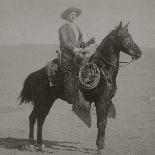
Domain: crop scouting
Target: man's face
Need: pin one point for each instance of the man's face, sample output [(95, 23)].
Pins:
[(71, 16)]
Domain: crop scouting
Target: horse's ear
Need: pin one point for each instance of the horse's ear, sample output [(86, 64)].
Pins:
[(120, 25), (126, 25)]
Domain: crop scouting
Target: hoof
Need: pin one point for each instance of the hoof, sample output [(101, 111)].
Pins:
[(29, 147), (102, 152), (42, 148)]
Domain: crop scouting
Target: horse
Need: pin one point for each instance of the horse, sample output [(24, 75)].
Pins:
[(37, 90)]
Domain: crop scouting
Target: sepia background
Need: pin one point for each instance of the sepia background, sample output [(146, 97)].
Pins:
[(28, 40), (37, 21)]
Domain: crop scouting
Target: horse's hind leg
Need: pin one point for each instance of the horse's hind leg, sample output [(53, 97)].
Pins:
[(32, 120), (43, 110)]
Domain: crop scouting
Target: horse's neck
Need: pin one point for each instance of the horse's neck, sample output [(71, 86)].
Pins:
[(110, 53)]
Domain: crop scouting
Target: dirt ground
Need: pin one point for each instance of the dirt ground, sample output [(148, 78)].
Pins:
[(131, 133)]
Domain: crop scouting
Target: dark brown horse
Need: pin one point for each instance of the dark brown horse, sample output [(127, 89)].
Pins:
[(37, 90)]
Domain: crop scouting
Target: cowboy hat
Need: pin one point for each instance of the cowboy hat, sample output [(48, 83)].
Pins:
[(71, 9)]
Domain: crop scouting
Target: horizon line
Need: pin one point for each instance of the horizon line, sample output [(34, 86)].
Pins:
[(53, 44)]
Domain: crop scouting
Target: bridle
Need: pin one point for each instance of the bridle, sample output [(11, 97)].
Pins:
[(127, 62), (116, 66)]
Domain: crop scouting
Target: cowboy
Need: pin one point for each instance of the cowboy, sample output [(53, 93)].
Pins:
[(71, 44)]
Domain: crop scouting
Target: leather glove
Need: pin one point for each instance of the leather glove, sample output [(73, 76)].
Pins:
[(91, 41)]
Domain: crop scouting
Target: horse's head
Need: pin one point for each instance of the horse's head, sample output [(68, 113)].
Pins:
[(127, 45)]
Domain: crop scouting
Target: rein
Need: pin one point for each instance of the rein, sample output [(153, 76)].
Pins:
[(127, 63)]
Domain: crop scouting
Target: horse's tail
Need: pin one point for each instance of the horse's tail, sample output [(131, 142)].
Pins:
[(30, 85)]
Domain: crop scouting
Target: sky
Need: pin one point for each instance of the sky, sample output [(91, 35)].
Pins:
[(38, 21)]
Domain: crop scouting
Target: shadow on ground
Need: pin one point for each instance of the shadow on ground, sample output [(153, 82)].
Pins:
[(14, 143)]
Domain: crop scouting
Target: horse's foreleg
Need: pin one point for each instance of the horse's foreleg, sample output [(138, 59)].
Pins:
[(111, 110), (101, 124)]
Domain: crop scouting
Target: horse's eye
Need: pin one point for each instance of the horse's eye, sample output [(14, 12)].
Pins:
[(124, 36)]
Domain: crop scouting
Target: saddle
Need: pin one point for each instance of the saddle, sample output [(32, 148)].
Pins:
[(89, 73), (53, 72)]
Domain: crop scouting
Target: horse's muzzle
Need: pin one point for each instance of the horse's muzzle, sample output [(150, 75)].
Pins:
[(136, 55)]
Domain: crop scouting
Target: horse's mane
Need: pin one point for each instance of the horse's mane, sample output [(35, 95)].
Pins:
[(110, 35)]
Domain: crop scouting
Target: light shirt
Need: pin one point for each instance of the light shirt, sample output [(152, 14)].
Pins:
[(75, 30)]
